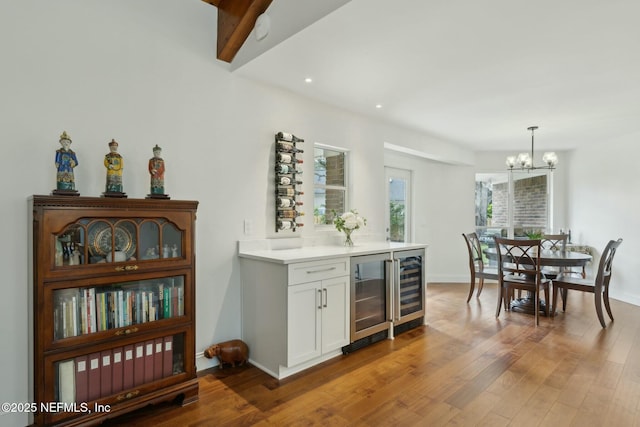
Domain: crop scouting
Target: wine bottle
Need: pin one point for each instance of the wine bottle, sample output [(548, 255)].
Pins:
[(290, 213), (284, 136), (285, 202), (285, 180), (288, 158), (288, 169), (287, 224), (288, 147), (285, 158), (290, 192)]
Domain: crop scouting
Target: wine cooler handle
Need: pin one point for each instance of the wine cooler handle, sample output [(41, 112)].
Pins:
[(389, 277), (320, 299), (396, 285)]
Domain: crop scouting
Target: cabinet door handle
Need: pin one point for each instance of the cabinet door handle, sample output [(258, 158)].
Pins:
[(127, 268), (320, 270), (126, 331), (320, 299), (325, 297), (128, 395)]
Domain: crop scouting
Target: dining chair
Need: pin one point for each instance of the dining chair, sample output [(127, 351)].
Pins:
[(476, 264), (554, 242), (558, 242), (599, 286), (519, 268)]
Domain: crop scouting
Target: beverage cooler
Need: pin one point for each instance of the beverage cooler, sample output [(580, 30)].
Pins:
[(387, 290), (370, 294), (409, 286)]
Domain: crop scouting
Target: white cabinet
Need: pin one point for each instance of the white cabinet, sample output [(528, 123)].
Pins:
[(317, 321), (294, 315)]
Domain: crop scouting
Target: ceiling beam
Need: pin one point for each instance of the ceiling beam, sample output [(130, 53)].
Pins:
[(236, 19)]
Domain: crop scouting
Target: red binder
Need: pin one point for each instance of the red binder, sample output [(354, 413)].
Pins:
[(82, 379), (116, 370), (157, 358), (167, 357), (127, 367), (148, 360), (138, 364), (105, 373), (94, 376)]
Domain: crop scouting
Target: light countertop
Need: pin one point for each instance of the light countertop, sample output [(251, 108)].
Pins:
[(313, 253)]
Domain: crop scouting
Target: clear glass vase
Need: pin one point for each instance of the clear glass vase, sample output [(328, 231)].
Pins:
[(347, 240)]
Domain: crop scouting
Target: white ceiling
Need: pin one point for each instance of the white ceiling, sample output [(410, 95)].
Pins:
[(475, 73)]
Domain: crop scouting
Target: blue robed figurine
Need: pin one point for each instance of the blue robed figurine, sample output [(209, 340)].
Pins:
[(66, 160)]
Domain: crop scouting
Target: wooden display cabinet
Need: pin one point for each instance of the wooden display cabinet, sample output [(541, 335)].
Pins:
[(113, 306)]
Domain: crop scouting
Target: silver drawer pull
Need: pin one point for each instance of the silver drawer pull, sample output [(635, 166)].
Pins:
[(320, 270)]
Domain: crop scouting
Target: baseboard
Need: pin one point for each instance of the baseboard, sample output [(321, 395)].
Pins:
[(203, 362)]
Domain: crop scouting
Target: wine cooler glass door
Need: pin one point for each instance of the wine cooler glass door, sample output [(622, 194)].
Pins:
[(370, 295), (409, 289)]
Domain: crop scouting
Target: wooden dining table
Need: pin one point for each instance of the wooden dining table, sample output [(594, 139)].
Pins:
[(548, 258)]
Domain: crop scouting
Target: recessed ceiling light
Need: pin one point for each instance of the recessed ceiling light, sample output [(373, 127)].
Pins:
[(378, 106), (308, 80)]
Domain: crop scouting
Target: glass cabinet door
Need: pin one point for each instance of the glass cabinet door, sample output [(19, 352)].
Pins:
[(86, 310), (410, 283), (117, 371), (107, 240)]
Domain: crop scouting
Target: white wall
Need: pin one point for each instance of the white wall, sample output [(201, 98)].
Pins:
[(144, 72), (603, 205)]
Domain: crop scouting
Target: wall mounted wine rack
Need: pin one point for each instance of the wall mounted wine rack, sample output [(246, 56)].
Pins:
[(288, 171)]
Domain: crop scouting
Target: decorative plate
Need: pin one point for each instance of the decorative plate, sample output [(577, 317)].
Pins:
[(100, 240)]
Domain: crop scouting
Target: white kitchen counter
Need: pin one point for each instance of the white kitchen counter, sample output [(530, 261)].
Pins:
[(312, 253)]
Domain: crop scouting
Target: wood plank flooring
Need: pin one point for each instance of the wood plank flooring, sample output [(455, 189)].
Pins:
[(464, 368)]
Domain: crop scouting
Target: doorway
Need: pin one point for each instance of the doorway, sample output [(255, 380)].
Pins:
[(398, 213)]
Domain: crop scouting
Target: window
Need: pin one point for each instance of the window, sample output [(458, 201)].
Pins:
[(329, 183), (512, 204)]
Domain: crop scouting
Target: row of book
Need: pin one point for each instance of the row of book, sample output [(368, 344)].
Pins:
[(87, 310), (101, 374)]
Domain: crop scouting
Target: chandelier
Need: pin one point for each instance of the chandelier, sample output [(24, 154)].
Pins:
[(524, 161)]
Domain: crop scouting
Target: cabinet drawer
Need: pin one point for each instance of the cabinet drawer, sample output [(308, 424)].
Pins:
[(318, 270)]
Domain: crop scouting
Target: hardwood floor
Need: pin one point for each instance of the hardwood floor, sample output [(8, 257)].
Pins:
[(465, 368)]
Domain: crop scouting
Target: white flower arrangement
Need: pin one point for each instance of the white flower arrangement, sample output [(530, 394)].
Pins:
[(347, 222)]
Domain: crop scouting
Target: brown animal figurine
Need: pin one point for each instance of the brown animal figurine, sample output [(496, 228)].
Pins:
[(229, 352)]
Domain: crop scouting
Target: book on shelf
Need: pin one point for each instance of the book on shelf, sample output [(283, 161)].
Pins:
[(106, 373), (94, 376), (138, 364), (157, 358), (82, 379), (66, 381), (167, 357), (117, 364), (148, 360), (127, 367)]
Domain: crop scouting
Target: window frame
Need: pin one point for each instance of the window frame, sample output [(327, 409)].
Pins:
[(510, 226), (344, 188)]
